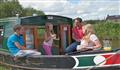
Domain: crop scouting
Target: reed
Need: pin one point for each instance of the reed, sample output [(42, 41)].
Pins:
[(107, 29)]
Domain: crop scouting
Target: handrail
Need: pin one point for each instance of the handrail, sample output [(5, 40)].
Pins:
[(91, 51)]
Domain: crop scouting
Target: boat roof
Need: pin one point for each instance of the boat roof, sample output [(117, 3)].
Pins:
[(48, 15), (39, 20)]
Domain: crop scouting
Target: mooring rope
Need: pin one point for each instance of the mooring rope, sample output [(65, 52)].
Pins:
[(103, 60)]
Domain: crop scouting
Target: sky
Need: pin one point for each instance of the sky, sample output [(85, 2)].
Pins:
[(86, 9)]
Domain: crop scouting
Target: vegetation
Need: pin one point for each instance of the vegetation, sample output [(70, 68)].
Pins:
[(107, 29), (9, 8), (5, 68)]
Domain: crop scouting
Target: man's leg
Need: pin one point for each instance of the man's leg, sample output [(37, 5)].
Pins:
[(71, 47), (34, 53), (23, 53)]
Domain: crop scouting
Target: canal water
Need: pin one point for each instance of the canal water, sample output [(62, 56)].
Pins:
[(114, 43)]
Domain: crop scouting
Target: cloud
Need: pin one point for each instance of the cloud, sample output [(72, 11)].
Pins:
[(45, 5), (87, 9)]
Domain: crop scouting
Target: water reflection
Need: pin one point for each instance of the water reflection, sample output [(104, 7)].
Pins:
[(115, 43)]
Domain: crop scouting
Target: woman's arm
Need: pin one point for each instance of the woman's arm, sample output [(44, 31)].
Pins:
[(46, 38), (97, 44), (83, 45)]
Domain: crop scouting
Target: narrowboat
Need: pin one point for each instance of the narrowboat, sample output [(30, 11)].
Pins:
[(86, 60)]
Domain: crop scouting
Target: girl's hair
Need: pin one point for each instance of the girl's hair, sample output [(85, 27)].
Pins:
[(47, 29), (87, 31)]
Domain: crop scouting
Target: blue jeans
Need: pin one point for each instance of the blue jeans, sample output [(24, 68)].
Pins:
[(72, 47)]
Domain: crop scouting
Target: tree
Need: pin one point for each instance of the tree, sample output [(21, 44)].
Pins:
[(9, 8), (30, 11)]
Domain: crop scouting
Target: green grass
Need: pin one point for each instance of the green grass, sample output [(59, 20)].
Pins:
[(8, 68), (5, 68), (106, 29)]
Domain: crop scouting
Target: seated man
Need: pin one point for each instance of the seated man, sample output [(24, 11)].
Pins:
[(77, 34), (15, 43)]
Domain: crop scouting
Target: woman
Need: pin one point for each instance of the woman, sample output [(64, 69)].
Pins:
[(89, 40), (48, 38)]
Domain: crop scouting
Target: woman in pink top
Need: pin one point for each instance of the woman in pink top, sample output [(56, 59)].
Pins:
[(48, 38)]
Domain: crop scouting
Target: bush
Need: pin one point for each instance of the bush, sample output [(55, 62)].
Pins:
[(107, 29)]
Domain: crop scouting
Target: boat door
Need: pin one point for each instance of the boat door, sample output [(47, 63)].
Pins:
[(31, 37), (63, 32), (65, 37)]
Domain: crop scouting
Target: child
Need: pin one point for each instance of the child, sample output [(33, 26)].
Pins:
[(48, 38)]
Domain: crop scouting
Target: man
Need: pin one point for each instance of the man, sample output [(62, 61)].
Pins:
[(77, 35), (15, 43)]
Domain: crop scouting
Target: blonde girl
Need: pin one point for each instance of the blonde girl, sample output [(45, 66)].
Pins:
[(89, 40), (48, 38)]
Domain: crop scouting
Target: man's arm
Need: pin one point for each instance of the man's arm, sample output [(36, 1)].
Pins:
[(73, 36), (19, 46)]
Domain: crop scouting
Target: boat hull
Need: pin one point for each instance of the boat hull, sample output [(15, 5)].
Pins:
[(79, 61)]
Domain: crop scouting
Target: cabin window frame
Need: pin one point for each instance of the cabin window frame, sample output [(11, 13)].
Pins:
[(3, 27)]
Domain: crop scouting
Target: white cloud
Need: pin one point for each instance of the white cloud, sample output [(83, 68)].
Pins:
[(46, 5), (87, 9)]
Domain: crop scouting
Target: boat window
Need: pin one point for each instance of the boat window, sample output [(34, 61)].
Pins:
[(56, 42), (29, 38), (41, 31)]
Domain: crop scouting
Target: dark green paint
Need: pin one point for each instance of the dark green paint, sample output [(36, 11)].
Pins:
[(86, 61)]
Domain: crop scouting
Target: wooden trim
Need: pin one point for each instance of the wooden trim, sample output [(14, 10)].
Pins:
[(36, 38), (61, 40), (35, 35), (24, 37), (69, 35)]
